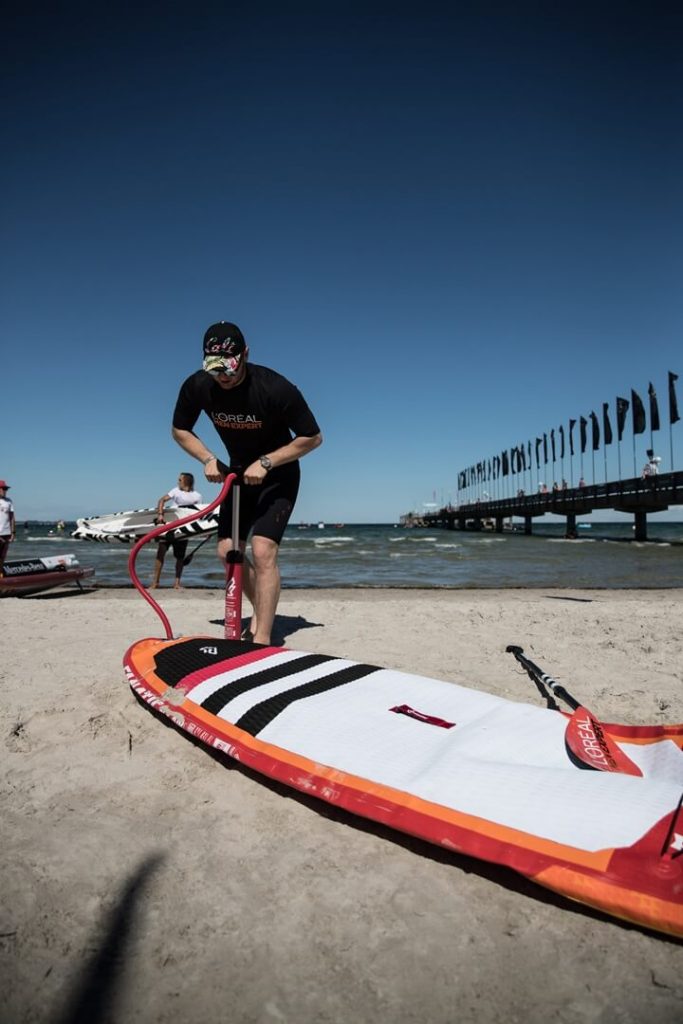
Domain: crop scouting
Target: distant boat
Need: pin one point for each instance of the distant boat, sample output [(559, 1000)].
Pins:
[(321, 526)]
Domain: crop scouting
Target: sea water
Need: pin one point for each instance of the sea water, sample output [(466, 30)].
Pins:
[(604, 555)]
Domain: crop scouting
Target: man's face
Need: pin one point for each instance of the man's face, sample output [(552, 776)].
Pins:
[(229, 381)]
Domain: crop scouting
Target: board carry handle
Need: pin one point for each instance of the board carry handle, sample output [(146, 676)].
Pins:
[(159, 531)]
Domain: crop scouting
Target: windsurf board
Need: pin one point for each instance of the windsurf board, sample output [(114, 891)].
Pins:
[(32, 575), (131, 525)]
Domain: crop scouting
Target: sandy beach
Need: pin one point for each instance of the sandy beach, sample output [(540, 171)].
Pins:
[(144, 880)]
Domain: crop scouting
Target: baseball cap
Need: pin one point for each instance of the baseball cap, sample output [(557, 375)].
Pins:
[(224, 347), (4, 486)]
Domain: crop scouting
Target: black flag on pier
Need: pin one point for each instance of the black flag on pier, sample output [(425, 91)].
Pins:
[(538, 445), (673, 405), (545, 449), (638, 410), (622, 409), (583, 423), (552, 442), (654, 408), (596, 432), (606, 425), (561, 442), (572, 424)]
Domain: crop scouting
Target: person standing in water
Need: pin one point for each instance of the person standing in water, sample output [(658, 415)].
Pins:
[(182, 496)]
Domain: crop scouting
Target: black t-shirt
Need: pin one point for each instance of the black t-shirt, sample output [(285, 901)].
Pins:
[(261, 414)]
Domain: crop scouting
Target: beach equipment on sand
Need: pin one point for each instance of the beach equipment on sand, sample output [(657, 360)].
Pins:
[(32, 575), (129, 526), (587, 809), (234, 564)]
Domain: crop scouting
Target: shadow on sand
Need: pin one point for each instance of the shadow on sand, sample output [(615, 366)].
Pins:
[(94, 991), (284, 626)]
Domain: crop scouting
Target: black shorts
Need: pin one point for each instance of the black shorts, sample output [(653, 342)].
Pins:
[(179, 546), (264, 508)]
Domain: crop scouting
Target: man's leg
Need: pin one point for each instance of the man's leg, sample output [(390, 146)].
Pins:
[(265, 513), (158, 565), (266, 587)]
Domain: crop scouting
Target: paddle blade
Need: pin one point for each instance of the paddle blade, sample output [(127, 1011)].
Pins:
[(590, 746)]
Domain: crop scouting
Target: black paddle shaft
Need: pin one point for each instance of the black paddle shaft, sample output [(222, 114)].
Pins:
[(541, 678)]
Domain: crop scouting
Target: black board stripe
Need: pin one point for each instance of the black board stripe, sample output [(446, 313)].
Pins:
[(261, 715), (217, 701), (179, 660)]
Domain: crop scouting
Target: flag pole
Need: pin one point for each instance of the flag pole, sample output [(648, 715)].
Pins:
[(671, 445), (673, 413), (604, 449)]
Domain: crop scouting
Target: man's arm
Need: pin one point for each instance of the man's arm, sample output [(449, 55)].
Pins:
[(195, 447), (160, 507), (296, 449)]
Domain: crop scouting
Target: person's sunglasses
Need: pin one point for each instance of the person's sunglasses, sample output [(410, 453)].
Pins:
[(231, 368)]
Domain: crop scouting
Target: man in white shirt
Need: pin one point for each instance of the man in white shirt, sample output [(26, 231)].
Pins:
[(651, 467), (7, 525), (182, 496)]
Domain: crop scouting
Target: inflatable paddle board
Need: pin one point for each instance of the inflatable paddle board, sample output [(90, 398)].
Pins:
[(589, 810), (130, 526), (31, 575)]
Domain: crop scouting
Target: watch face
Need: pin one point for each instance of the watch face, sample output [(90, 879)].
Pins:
[(265, 462)]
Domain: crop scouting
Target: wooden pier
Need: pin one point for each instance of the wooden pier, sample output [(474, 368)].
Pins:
[(637, 496)]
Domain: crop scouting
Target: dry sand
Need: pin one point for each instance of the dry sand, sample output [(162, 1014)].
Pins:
[(143, 880)]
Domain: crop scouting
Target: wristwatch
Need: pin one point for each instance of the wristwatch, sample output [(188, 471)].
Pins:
[(265, 462)]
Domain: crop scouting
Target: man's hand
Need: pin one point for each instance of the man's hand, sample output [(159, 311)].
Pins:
[(254, 474), (212, 472)]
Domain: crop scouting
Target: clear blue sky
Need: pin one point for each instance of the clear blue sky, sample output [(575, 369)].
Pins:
[(453, 226)]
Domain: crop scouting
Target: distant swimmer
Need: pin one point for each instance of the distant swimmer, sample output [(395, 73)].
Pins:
[(265, 424), (7, 522), (182, 496)]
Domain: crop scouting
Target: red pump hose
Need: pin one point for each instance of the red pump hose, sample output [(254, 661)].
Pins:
[(159, 531)]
